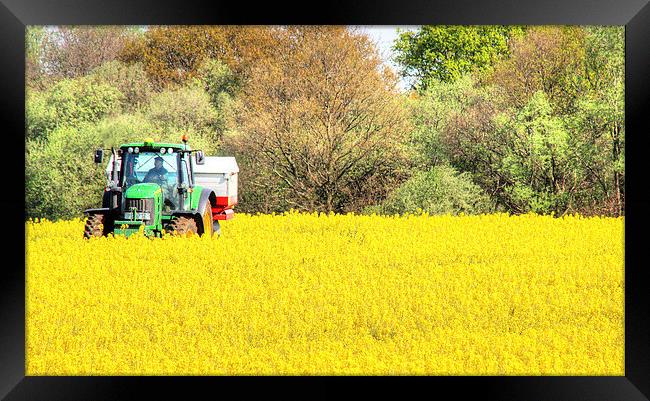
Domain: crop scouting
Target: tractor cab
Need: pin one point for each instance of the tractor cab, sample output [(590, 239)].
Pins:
[(151, 188), (166, 166)]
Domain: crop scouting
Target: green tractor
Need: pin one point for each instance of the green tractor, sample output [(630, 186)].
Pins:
[(155, 186)]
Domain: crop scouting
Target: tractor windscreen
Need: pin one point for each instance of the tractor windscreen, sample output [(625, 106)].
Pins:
[(153, 167)]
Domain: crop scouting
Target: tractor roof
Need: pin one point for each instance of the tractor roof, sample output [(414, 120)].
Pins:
[(154, 145)]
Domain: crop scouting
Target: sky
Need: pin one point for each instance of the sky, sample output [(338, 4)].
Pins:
[(384, 36)]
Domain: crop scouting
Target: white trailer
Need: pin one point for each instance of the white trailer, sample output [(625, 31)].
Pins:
[(219, 174)]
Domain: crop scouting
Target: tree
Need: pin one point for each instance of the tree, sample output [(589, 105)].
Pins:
[(548, 59), (323, 119), (520, 157), (33, 53), (74, 51), (545, 132), (447, 52), (70, 103), (219, 82), (455, 123), (600, 118), (581, 72), (432, 112), (130, 80), (174, 54), (61, 179), (186, 110), (536, 159)]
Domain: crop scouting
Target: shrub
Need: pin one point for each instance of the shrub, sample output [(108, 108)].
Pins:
[(186, 110), (130, 79), (61, 178), (441, 190), (70, 103), (40, 116)]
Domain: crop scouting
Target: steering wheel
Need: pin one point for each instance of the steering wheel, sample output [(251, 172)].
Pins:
[(159, 179)]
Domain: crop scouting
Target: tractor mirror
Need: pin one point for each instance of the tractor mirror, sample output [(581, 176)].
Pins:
[(200, 157), (99, 155)]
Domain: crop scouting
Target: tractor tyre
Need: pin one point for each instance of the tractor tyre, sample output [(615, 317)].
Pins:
[(207, 221), (95, 225), (183, 226)]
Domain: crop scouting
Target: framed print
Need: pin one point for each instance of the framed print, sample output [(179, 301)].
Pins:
[(410, 195)]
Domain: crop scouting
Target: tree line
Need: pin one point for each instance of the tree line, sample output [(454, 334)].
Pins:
[(498, 118)]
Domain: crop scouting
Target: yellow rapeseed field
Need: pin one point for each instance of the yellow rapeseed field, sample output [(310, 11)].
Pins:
[(331, 294)]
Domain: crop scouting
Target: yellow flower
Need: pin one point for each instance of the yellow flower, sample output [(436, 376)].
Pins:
[(317, 293)]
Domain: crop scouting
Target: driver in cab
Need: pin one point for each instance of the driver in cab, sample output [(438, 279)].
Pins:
[(158, 173)]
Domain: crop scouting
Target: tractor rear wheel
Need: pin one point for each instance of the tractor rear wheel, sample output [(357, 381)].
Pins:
[(182, 226), (95, 225)]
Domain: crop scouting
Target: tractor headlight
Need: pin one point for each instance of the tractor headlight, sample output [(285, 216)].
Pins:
[(130, 149), (170, 151), (162, 151), (137, 150)]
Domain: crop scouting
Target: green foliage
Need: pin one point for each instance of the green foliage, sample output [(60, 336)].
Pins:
[(79, 101), (440, 190), (434, 110), (545, 133), (70, 103), (186, 110), (534, 117), (40, 115), (130, 79), (537, 160), (599, 122), (446, 52), (124, 128), (61, 179), (219, 82), (605, 59), (185, 107), (222, 86)]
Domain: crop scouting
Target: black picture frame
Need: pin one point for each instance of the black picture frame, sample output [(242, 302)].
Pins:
[(634, 14)]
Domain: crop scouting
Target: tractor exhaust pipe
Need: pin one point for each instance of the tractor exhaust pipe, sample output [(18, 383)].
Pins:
[(114, 187), (114, 172)]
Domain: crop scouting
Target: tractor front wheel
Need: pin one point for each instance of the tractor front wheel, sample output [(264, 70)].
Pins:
[(95, 225), (182, 226), (207, 221)]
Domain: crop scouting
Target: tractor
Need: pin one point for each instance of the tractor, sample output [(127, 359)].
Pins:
[(154, 187)]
